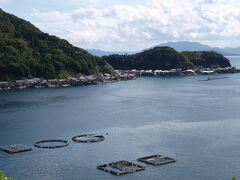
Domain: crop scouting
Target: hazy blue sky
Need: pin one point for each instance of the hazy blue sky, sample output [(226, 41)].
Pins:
[(133, 24)]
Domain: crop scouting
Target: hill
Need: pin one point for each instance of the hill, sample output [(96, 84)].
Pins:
[(207, 59), (167, 58), (233, 51), (27, 52), (156, 58)]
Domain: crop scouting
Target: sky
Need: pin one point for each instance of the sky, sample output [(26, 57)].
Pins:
[(132, 25)]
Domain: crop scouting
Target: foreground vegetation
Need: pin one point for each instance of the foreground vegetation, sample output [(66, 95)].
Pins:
[(2, 176), (26, 52), (166, 58)]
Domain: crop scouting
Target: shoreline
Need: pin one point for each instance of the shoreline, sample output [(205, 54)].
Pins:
[(180, 72), (67, 82), (119, 75)]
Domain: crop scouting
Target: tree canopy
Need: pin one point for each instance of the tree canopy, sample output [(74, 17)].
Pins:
[(207, 59)]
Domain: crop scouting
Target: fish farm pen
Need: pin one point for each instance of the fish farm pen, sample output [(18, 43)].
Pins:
[(116, 168), (156, 160), (120, 167), (51, 144), (15, 148), (88, 138)]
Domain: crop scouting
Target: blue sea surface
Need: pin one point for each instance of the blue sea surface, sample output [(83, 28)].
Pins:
[(195, 122)]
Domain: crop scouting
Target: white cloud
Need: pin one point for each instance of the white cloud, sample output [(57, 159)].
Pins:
[(4, 1), (51, 16), (91, 1), (128, 27)]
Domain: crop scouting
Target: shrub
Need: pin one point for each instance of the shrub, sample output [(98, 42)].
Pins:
[(2, 176)]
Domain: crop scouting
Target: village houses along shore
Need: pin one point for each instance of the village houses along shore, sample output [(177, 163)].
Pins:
[(118, 75)]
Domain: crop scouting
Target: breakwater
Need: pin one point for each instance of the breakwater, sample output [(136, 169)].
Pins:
[(78, 81)]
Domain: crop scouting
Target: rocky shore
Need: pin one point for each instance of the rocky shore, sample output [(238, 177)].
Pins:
[(180, 72), (78, 81)]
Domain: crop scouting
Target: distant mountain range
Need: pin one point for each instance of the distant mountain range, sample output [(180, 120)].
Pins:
[(196, 46), (179, 46), (98, 52)]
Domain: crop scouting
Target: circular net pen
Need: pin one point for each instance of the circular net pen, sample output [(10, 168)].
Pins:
[(51, 144), (88, 138)]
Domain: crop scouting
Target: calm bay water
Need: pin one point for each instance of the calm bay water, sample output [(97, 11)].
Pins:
[(193, 121)]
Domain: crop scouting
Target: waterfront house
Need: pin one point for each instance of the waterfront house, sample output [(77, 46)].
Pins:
[(189, 72), (100, 77), (52, 82), (3, 85), (205, 72)]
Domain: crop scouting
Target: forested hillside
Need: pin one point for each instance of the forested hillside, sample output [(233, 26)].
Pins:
[(27, 52), (206, 58), (167, 58)]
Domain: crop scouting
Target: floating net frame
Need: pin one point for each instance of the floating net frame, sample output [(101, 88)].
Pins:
[(16, 148), (88, 138), (156, 160), (121, 167), (64, 143)]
